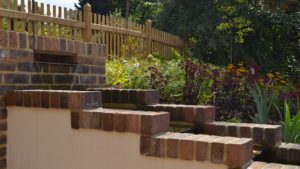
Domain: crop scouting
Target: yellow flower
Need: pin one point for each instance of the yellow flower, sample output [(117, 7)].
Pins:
[(283, 81), (270, 75)]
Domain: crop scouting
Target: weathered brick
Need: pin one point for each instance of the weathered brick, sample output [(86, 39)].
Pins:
[(55, 44), (188, 114), (19, 98), (204, 114), (64, 101), (159, 145), (59, 69), (3, 163), (155, 123), (75, 120), (273, 135), (221, 129), (13, 40), (2, 151), (77, 47), (16, 78), (54, 100), (3, 113), (7, 66), (21, 54), (36, 99), (108, 121), (23, 40), (27, 67), (27, 99), (40, 43), (133, 123), (70, 46), (91, 100), (48, 43), (64, 79), (120, 122), (294, 154), (258, 134), (80, 69), (63, 45), (148, 97), (281, 153), (3, 125), (232, 129), (3, 138), (245, 131), (32, 42), (45, 96), (3, 38), (39, 79), (239, 153), (88, 80), (10, 98), (96, 122), (83, 49), (145, 145), (89, 49)]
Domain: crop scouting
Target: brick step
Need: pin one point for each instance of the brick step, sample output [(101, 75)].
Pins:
[(263, 165), (61, 99), (197, 115), (262, 135), (288, 154), (129, 96), (140, 122), (231, 151)]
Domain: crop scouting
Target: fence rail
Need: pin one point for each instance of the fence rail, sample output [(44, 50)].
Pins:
[(53, 21)]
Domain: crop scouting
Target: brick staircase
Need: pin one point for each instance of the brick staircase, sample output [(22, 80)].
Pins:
[(139, 112)]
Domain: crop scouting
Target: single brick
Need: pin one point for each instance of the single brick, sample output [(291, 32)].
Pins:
[(75, 120), (85, 119), (19, 98), (91, 100), (204, 114), (63, 45), (83, 49), (155, 123), (3, 125), (48, 43), (45, 96), (16, 78), (3, 163), (64, 101), (221, 128), (64, 79), (3, 138), (75, 101), (40, 79), (13, 40), (36, 99), (145, 145), (76, 47), (210, 128), (27, 67), (273, 136), (239, 152), (28, 99), (7, 66), (54, 100), (148, 97), (108, 121), (120, 122), (133, 123), (294, 154), (10, 98), (40, 43), (23, 40), (21, 54), (233, 129), (2, 151), (89, 49), (3, 38), (246, 131), (32, 42), (70, 46), (281, 153), (188, 114), (123, 96), (88, 80), (258, 134), (96, 122), (3, 113), (55, 44)]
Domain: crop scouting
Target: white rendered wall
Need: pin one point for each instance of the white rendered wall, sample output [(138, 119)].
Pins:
[(43, 139)]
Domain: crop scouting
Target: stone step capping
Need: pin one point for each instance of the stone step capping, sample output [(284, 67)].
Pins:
[(60, 99), (263, 165), (233, 152), (129, 96), (195, 114), (262, 135), (288, 153), (140, 122)]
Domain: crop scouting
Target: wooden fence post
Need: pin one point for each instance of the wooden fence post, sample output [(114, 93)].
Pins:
[(87, 16), (149, 36)]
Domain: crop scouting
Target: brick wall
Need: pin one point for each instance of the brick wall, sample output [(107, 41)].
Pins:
[(36, 62)]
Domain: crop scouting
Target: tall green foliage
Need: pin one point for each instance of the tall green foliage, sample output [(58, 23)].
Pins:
[(264, 99), (291, 125)]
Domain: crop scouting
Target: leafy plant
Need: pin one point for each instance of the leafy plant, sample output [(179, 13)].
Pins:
[(264, 99), (291, 126)]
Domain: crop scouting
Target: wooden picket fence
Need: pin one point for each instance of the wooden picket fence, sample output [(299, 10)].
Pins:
[(49, 20)]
